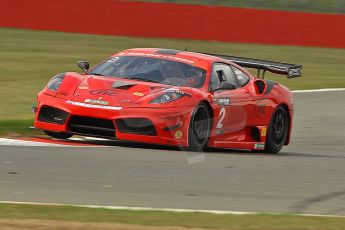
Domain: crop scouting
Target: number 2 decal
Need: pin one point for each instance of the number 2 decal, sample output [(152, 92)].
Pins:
[(222, 116)]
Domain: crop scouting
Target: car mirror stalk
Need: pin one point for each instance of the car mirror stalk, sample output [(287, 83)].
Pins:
[(84, 65)]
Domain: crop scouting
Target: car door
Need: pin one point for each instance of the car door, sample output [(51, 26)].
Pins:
[(232, 106)]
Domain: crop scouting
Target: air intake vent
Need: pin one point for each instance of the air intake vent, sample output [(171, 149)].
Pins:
[(139, 126), (255, 133), (52, 115), (92, 126)]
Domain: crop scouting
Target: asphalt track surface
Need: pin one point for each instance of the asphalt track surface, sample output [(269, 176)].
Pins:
[(306, 177)]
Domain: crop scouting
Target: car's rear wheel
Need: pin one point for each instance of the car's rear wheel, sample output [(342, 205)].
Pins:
[(277, 132), (58, 135), (199, 128)]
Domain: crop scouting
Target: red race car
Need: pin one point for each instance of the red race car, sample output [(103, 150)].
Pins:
[(172, 97)]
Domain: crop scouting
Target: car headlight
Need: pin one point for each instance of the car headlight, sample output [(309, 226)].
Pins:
[(55, 82), (168, 97)]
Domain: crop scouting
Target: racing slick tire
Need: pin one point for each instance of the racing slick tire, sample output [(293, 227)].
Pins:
[(199, 128), (277, 132), (58, 135)]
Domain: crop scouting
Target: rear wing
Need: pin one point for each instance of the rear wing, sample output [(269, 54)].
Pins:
[(290, 70)]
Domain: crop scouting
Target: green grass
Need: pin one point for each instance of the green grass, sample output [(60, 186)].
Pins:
[(21, 127), (28, 59), (323, 6), (159, 218)]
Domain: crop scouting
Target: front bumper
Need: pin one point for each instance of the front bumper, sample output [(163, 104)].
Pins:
[(171, 124)]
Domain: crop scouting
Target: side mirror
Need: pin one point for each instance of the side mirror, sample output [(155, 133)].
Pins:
[(260, 86), (84, 65), (226, 86)]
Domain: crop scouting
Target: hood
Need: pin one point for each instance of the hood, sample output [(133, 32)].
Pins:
[(115, 92), (111, 91)]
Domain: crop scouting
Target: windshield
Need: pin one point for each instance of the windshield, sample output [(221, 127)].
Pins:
[(152, 70)]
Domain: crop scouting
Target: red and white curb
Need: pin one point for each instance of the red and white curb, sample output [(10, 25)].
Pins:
[(14, 142), (218, 212), (318, 90), (45, 142)]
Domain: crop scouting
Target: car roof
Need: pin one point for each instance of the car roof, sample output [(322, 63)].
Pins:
[(194, 58)]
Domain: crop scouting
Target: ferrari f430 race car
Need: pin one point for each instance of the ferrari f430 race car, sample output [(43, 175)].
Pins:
[(172, 97)]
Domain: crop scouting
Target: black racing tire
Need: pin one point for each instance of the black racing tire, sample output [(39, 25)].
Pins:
[(277, 131), (199, 128), (58, 135)]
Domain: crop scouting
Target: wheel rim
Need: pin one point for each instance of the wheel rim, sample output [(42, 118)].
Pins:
[(279, 127), (200, 127)]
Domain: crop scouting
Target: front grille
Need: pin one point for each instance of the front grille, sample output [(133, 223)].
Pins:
[(52, 115), (140, 126), (92, 126)]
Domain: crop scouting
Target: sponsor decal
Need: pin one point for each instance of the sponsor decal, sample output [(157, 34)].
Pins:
[(261, 109), (259, 146), (263, 132), (219, 132), (63, 94), (96, 102), (83, 87), (103, 92), (130, 102), (223, 101), (178, 134), (139, 94), (93, 106)]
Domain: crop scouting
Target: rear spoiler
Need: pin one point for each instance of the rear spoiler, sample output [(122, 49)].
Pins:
[(290, 70)]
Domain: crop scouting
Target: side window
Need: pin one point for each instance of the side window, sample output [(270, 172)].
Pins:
[(242, 78), (222, 73)]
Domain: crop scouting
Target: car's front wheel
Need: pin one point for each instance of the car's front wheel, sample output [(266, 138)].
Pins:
[(277, 132), (58, 135), (199, 128)]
